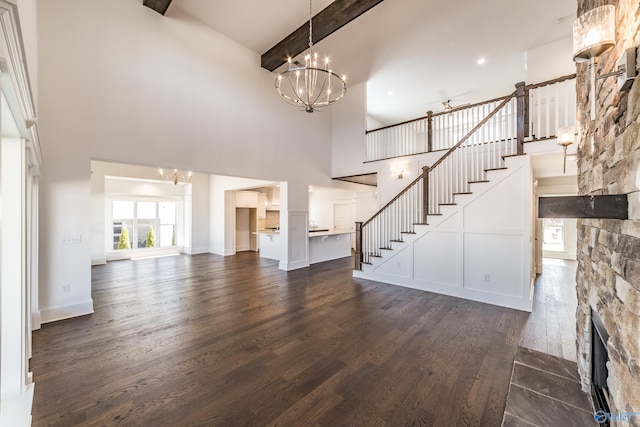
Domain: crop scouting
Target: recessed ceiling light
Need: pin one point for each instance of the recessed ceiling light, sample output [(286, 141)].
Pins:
[(482, 61), (390, 93)]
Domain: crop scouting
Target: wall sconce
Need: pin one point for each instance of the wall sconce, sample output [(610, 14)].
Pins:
[(174, 177), (397, 171), (566, 137), (594, 33)]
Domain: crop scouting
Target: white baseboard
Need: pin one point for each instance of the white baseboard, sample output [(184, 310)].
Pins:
[(17, 410), (196, 251), (36, 320), (293, 265), (68, 311), (222, 252), (99, 261)]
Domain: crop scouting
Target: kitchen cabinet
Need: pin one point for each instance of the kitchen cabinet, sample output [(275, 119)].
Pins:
[(246, 199), (262, 206)]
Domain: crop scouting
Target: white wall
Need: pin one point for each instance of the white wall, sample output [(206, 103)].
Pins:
[(29, 30), (321, 203), (200, 193), (478, 249), (550, 60), (348, 139), (120, 83)]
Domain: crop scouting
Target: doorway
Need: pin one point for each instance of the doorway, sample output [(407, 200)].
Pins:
[(344, 218), (246, 227)]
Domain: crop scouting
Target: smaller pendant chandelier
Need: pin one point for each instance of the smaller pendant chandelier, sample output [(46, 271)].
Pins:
[(175, 177), (310, 87)]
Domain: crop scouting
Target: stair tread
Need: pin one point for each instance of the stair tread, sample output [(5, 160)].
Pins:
[(408, 232), (447, 204), (482, 180), (512, 155), (496, 169), (397, 241), (464, 192), (420, 223)]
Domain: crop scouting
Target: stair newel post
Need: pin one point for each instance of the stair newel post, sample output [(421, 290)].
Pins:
[(358, 258), (425, 193), (521, 111), (429, 131)]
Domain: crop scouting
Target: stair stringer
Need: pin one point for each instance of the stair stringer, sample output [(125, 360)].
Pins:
[(478, 249)]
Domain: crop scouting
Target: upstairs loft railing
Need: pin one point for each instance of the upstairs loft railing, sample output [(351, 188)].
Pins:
[(547, 106)]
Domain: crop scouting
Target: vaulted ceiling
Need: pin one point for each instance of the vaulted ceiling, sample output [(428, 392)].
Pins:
[(412, 54)]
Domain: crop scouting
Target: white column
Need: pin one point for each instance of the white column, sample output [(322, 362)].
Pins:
[(13, 368), (34, 240)]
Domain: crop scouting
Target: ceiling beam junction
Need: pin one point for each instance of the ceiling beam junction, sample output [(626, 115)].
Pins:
[(326, 22), (159, 6)]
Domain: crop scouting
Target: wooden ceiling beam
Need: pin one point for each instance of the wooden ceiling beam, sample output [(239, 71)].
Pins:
[(159, 6), (326, 22), (614, 206)]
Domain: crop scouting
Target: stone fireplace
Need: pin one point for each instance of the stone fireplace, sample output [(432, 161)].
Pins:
[(599, 370), (608, 276)]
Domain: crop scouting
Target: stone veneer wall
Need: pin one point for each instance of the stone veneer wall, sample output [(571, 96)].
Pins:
[(608, 277)]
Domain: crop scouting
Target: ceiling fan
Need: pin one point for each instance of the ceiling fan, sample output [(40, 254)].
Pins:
[(448, 107), (446, 101)]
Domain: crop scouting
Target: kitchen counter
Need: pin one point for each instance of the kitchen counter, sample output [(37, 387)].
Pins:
[(328, 245), (267, 231), (324, 244), (269, 243)]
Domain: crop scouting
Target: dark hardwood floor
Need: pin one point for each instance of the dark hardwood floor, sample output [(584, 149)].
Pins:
[(207, 340), (551, 327)]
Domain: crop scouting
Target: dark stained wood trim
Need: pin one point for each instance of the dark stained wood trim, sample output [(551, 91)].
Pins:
[(595, 207), (521, 107), (326, 22), (159, 6), (346, 178), (550, 82)]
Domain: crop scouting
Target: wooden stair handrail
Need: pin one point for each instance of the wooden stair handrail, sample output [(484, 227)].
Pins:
[(448, 153), (472, 131), (550, 82)]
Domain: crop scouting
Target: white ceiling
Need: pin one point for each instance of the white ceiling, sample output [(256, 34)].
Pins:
[(424, 51)]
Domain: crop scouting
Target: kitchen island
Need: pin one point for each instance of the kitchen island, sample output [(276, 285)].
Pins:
[(324, 244)]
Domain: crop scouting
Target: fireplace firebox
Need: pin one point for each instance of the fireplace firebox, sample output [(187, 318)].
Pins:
[(599, 371)]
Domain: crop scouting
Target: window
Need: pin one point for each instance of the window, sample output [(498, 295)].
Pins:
[(143, 224), (553, 237)]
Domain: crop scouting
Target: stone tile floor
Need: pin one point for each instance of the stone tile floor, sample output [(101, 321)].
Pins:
[(545, 391)]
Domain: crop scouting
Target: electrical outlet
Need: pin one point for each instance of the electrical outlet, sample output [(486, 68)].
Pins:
[(487, 277), (66, 288), (76, 239)]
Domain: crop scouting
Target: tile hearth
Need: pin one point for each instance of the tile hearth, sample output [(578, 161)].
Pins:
[(545, 390)]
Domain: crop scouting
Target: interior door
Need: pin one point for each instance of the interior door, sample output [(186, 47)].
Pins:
[(344, 215)]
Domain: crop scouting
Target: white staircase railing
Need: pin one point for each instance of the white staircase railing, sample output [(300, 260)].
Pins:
[(477, 139), (552, 105), (481, 149)]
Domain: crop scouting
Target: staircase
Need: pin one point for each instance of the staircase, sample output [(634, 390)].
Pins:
[(464, 226)]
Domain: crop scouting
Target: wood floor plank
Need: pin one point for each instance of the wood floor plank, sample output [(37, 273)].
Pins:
[(210, 340), (550, 328)]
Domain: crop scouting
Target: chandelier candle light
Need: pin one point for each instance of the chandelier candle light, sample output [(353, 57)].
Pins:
[(310, 87), (174, 177)]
